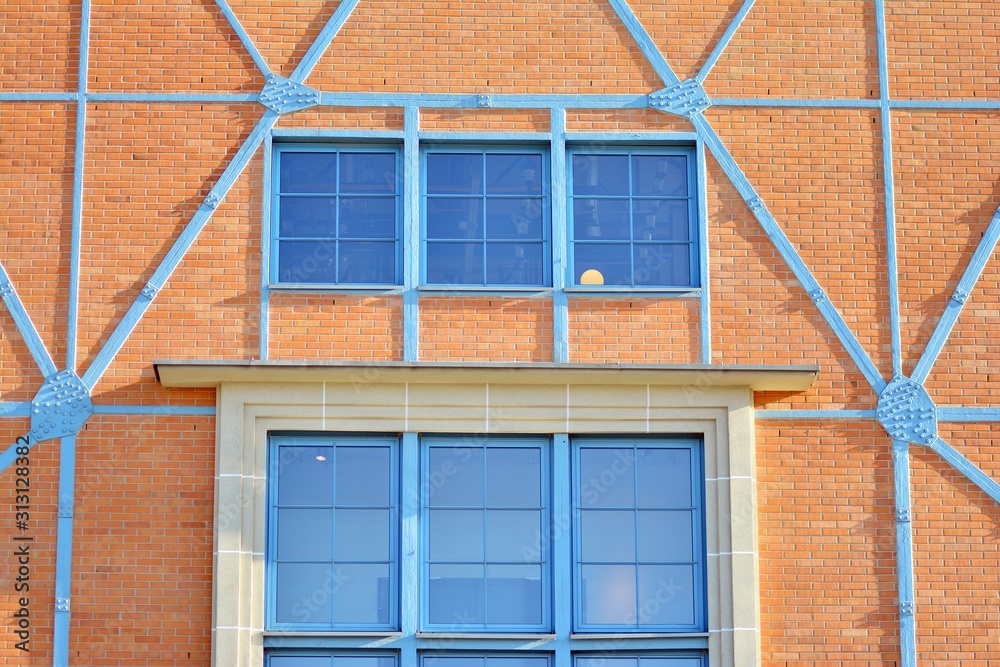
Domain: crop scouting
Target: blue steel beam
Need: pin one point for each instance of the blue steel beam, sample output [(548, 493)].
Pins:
[(644, 42), (244, 38), (890, 193), (560, 249), (24, 325), (966, 467), (958, 298), (705, 302), (723, 42), (64, 552), (904, 553), (411, 234)]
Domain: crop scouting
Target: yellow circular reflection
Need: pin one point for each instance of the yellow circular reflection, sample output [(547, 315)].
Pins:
[(592, 277)]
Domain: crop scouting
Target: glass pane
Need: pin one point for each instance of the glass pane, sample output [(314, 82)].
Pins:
[(601, 220), (666, 595), (367, 218), (307, 217), (600, 175), (607, 536), (307, 262), (671, 662), (455, 476), (298, 661), (455, 263), (514, 219), (362, 594), (302, 592), (368, 172), (454, 173), (514, 264), (455, 596), (456, 535), (305, 476), (613, 261), (514, 594), (660, 220), (662, 265), (455, 218), (657, 175), (608, 594), (363, 661), (453, 661), (606, 477), (516, 661), (362, 535), (367, 262), (305, 534), (665, 537), (513, 536), (308, 172), (606, 662), (513, 174), (664, 477), (513, 477), (363, 476)]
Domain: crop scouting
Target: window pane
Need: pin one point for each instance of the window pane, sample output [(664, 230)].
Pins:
[(512, 534), (601, 219), (367, 262), (606, 477), (514, 263), (660, 220), (614, 262), (363, 661), (305, 476), (454, 173), (508, 464), (307, 217), (304, 534), (308, 172), (513, 174), (363, 476), (671, 662), (454, 218), (455, 476), (607, 536), (455, 597), (662, 264), (456, 535), (307, 262), (608, 594), (667, 595), (362, 535), (516, 661), (298, 661), (368, 172), (606, 662), (367, 218), (303, 592), (361, 595), (514, 219), (657, 175), (600, 175), (453, 661), (664, 477), (665, 537), (455, 263), (514, 594)]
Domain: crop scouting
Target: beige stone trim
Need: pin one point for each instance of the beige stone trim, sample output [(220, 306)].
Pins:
[(471, 403)]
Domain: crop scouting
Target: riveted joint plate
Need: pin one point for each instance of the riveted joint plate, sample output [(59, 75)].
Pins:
[(212, 200), (902, 516), (960, 296), (906, 412), (60, 407), (65, 510), (906, 607), (484, 101), (150, 291), (282, 95), (817, 295), (6, 288), (62, 604), (685, 98)]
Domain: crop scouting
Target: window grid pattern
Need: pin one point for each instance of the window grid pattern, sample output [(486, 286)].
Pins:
[(337, 212)]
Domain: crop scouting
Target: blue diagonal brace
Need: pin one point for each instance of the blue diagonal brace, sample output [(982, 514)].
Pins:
[(644, 41), (723, 42), (789, 253), (244, 38), (954, 307), (323, 39), (24, 325), (967, 468)]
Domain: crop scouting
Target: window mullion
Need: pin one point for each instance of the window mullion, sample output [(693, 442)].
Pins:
[(409, 552)]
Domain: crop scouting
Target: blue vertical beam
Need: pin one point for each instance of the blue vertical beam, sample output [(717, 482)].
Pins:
[(723, 42), (264, 316), (705, 303), (64, 552), (561, 545), (560, 244), (411, 234), (904, 553), (958, 298), (25, 326), (410, 559), (967, 468), (789, 253), (244, 38), (77, 211), (890, 190)]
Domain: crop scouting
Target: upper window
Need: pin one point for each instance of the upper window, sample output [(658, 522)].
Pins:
[(633, 218), (338, 216), (486, 219)]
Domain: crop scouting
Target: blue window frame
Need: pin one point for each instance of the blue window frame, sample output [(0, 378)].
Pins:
[(633, 216), (336, 213), (485, 217), (485, 512), (481, 660), (639, 536), (332, 533), (679, 659), (336, 660)]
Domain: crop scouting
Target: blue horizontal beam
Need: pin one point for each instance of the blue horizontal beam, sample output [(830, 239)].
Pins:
[(476, 101), (11, 409), (967, 468), (38, 97), (153, 410), (174, 98), (968, 414), (814, 414)]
